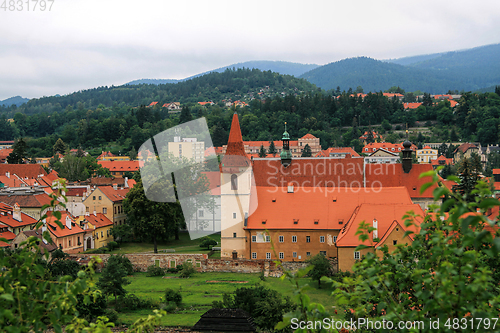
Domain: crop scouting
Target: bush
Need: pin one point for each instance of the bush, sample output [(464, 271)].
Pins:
[(131, 302), (112, 245), (173, 296), (187, 270), (112, 315), (207, 242), (92, 310), (155, 271), (172, 270)]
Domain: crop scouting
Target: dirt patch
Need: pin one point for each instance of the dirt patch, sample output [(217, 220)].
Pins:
[(216, 281)]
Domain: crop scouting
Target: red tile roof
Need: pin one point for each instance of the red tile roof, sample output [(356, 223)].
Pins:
[(112, 194), (308, 136), (153, 104), (465, 146), (8, 235), (385, 214), (306, 206), (6, 217), (411, 105), (105, 154), (235, 153), (310, 172), (57, 231), (23, 170), (398, 147), (99, 220), (117, 166), (442, 160), (337, 150), (76, 192), (26, 200)]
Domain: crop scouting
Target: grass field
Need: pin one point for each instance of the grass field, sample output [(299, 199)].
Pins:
[(183, 245), (198, 293)]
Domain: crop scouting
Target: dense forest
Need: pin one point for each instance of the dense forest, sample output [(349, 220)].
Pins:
[(118, 118)]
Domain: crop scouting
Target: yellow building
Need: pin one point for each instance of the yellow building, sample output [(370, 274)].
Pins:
[(107, 200), (426, 154), (189, 148), (98, 230)]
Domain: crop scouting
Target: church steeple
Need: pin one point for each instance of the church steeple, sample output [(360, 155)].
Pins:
[(286, 155), (407, 154), (235, 152)]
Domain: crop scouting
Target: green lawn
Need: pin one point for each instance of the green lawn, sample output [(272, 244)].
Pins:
[(198, 293), (183, 245)]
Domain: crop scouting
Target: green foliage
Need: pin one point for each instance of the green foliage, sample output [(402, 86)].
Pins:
[(19, 152), (131, 302), (321, 267), (173, 296), (262, 151), (113, 276), (112, 245), (307, 151), (155, 271), (266, 306), (122, 233), (450, 270), (93, 307), (59, 147), (206, 241), (61, 265), (187, 270)]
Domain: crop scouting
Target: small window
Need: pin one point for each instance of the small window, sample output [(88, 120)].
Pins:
[(100, 197), (335, 239), (102, 234), (308, 239), (234, 235), (321, 239), (322, 253), (282, 255), (254, 238), (356, 255), (234, 215), (93, 197), (234, 182), (104, 210), (294, 254), (254, 255), (294, 239), (394, 242), (268, 238), (268, 255), (281, 239), (200, 213), (69, 243), (308, 254)]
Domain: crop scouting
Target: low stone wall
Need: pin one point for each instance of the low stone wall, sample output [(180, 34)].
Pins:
[(141, 261)]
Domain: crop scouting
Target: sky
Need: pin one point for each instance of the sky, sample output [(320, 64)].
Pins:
[(82, 44)]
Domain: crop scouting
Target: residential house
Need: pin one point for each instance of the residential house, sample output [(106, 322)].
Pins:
[(382, 155), (108, 156), (441, 160), (6, 144), (42, 243), (338, 152), (29, 199), (107, 200), (426, 154), (173, 107), (70, 237), (465, 150), (4, 153), (392, 147), (98, 227), (12, 218), (411, 106), (118, 168), (376, 137)]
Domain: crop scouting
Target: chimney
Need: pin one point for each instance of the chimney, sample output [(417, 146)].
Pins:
[(7, 174), (95, 213), (16, 213), (375, 232), (115, 187), (125, 185), (68, 222), (290, 187)]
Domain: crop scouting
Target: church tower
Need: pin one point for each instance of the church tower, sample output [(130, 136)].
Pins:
[(236, 194), (286, 155)]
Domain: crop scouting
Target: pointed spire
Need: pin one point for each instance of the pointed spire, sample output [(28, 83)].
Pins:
[(235, 143)]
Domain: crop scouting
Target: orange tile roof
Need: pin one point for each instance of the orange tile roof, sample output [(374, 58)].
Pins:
[(438, 161), (23, 170), (26, 200), (8, 235), (309, 172), (213, 182), (105, 154), (306, 206), (411, 105), (337, 150), (117, 166), (99, 220), (398, 147), (385, 214), (390, 175), (57, 231), (465, 146), (6, 217), (235, 152), (153, 103), (308, 136), (365, 135), (112, 194), (76, 192)]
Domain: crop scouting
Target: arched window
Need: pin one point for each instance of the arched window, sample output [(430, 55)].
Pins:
[(234, 182)]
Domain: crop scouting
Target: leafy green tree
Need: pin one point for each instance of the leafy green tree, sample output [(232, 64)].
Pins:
[(262, 151), (185, 115), (59, 147), (60, 264), (206, 241), (443, 149), (386, 125), (321, 267), (469, 171), (448, 271), (187, 270), (113, 277), (19, 152), (173, 296), (307, 151), (266, 306)]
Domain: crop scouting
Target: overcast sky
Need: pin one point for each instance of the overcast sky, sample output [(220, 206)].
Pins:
[(81, 44)]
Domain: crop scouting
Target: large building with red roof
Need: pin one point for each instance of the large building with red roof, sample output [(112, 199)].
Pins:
[(118, 168)]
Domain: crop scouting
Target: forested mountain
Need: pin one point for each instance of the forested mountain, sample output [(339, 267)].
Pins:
[(467, 70), (282, 67), (16, 100), (230, 84)]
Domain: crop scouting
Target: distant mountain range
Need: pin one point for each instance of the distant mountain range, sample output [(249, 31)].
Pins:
[(468, 70), (16, 100), (282, 67)]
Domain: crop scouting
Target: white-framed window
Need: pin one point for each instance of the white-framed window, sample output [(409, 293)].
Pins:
[(282, 255), (294, 254), (294, 239), (234, 215), (254, 255), (281, 239), (268, 255), (321, 239), (356, 255), (104, 210), (268, 238), (335, 239), (254, 238), (308, 239)]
